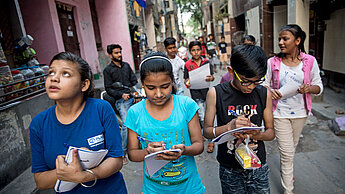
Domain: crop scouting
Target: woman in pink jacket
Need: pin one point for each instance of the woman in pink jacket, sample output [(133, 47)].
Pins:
[(292, 76)]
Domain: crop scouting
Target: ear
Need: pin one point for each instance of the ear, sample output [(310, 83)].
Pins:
[(230, 70), (110, 56), (85, 85), (298, 41)]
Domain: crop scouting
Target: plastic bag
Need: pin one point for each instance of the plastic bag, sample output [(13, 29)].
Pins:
[(246, 156)]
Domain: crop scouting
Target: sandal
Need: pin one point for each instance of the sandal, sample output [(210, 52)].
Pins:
[(210, 147)]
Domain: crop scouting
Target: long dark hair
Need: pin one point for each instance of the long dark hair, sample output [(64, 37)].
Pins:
[(83, 68), (297, 32), (157, 62), (249, 60)]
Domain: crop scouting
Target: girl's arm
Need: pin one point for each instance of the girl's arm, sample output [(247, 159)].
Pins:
[(316, 86), (138, 155), (197, 146), (196, 138), (73, 172)]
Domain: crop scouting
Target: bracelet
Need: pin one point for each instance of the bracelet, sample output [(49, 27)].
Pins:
[(90, 171), (214, 132)]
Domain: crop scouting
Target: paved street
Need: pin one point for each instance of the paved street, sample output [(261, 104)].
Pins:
[(319, 161), (319, 166)]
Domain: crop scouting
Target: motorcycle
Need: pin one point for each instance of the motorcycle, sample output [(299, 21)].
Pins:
[(134, 93)]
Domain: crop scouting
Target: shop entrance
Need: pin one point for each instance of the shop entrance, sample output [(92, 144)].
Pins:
[(68, 29)]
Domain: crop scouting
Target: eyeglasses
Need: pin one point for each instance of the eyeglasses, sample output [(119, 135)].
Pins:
[(248, 83)]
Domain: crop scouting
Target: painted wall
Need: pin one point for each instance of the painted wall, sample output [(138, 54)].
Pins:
[(150, 28), (15, 152), (279, 20), (298, 13), (333, 50), (113, 24), (253, 24), (41, 26), (42, 22)]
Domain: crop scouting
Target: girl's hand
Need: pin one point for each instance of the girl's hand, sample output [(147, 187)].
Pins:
[(304, 89), (209, 78), (276, 95), (172, 155), (72, 172), (153, 147)]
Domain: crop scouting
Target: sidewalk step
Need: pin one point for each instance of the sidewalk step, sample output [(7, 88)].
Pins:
[(23, 184)]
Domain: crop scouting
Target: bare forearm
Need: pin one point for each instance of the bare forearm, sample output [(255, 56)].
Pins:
[(194, 149), (107, 168), (268, 135), (137, 155), (218, 130), (45, 180), (314, 89)]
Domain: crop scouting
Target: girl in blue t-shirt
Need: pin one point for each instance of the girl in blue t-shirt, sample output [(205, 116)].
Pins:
[(167, 121), (79, 121)]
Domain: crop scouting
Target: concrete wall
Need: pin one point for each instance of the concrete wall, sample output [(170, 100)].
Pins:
[(42, 22), (150, 28), (253, 23), (334, 49), (113, 25), (298, 13), (15, 155), (279, 20)]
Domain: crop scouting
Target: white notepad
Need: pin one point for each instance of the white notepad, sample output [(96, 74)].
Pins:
[(152, 165), (227, 136), (88, 159)]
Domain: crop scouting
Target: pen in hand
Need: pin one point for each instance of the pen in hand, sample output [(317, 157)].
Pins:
[(236, 115)]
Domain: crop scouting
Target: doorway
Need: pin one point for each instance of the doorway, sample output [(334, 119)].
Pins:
[(68, 29)]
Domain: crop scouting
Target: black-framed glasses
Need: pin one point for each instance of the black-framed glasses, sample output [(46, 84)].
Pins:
[(248, 83)]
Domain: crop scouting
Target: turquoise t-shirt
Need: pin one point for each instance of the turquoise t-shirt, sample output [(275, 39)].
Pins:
[(181, 175)]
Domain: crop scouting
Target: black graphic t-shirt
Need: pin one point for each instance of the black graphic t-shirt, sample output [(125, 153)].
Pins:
[(228, 98)]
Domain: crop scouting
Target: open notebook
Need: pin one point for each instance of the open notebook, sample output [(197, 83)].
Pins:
[(152, 165), (227, 136), (88, 159)]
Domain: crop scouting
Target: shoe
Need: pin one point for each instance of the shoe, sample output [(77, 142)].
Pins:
[(124, 160), (210, 147)]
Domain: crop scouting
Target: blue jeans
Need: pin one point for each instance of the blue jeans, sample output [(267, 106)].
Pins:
[(122, 106), (201, 112), (179, 91), (242, 181)]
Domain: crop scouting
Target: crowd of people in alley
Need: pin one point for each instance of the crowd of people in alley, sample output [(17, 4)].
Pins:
[(270, 97)]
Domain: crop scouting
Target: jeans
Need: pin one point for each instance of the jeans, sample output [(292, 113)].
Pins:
[(201, 112), (122, 106), (287, 132), (179, 91), (242, 181)]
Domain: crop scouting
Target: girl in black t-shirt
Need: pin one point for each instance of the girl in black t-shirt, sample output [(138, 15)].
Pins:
[(245, 97)]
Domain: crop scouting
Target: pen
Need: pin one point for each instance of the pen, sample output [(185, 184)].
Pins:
[(236, 115), (143, 139)]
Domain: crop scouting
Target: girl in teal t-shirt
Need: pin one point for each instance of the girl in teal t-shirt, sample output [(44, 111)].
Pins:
[(168, 121)]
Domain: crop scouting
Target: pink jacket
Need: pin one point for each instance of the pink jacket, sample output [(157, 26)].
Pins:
[(307, 61)]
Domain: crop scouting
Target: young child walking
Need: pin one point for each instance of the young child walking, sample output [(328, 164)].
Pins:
[(252, 102), (198, 95), (79, 121), (168, 121)]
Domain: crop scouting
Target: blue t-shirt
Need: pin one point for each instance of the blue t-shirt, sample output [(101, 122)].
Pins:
[(95, 128), (181, 175)]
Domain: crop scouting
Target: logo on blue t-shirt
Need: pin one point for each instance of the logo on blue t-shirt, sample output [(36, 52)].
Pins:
[(96, 140)]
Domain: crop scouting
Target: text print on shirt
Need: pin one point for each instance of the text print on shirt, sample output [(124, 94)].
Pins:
[(243, 110), (96, 140)]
